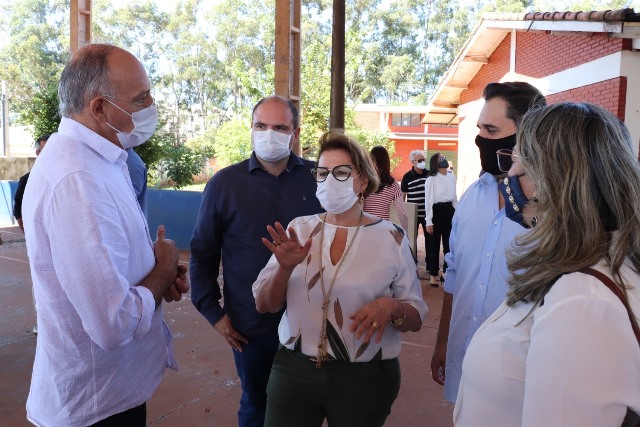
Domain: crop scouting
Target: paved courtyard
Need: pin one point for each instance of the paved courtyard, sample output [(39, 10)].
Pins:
[(206, 390)]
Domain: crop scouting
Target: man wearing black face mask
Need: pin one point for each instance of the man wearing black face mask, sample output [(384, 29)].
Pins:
[(477, 271)]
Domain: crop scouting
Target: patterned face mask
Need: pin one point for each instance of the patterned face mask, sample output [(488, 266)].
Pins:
[(514, 198)]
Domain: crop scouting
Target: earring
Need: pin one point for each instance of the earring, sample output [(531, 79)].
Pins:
[(361, 198), (534, 219)]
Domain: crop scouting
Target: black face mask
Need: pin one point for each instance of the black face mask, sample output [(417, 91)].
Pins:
[(488, 148), (443, 164), (514, 198)]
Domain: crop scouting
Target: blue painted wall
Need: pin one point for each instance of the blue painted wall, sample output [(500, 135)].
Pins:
[(7, 193), (177, 210)]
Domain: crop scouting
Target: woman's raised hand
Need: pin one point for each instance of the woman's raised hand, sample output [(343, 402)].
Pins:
[(287, 248)]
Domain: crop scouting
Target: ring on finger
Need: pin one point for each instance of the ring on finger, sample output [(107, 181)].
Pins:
[(276, 243), (375, 325)]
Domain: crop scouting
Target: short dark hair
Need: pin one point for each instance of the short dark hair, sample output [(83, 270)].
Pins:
[(519, 96), (295, 116), (44, 138)]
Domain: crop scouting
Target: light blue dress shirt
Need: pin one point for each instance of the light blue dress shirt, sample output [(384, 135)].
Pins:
[(477, 269)]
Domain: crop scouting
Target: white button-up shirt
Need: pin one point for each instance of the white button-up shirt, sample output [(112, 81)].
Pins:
[(102, 345)]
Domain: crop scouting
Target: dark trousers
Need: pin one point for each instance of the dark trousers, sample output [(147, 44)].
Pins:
[(442, 216), (253, 365), (134, 417), (422, 222), (346, 394)]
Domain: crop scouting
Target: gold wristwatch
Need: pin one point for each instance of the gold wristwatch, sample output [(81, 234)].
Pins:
[(400, 320)]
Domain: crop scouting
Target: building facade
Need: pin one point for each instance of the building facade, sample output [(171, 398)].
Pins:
[(569, 56)]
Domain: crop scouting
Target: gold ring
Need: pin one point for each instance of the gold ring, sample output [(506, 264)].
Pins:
[(375, 325), (276, 243)]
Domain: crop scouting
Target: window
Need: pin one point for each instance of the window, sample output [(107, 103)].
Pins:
[(405, 119)]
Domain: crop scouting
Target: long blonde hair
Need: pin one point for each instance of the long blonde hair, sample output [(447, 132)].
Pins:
[(588, 185)]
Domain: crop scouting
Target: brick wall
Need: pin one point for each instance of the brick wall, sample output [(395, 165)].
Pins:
[(368, 119), (541, 54), (497, 67), (611, 94)]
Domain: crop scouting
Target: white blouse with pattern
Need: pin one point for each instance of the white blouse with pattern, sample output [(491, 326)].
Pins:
[(378, 264)]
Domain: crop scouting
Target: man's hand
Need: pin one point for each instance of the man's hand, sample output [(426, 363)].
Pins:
[(438, 363), (165, 273), (180, 285), (439, 358), (229, 333), (166, 252)]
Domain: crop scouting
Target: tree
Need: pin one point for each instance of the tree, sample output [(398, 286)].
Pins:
[(232, 141), (42, 112), (33, 57), (181, 163)]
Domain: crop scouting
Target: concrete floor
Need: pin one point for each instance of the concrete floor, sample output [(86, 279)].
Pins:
[(206, 390)]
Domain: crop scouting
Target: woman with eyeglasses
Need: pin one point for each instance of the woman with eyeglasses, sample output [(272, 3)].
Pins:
[(563, 350), (440, 200), (350, 286), (388, 193)]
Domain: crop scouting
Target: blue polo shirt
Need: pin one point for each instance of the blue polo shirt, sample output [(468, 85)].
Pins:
[(237, 205)]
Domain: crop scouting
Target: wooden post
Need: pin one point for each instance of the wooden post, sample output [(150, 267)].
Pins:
[(80, 24), (336, 118), (287, 67)]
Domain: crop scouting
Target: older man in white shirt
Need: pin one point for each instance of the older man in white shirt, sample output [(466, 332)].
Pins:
[(98, 278)]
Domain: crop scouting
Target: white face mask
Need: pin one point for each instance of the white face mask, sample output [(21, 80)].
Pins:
[(270, 145), (145, 123), (421, 165), (336, 196)]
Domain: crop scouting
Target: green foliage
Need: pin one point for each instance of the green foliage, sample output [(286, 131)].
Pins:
[(33, 57), (232, 142), (42, 113), (181, 164), (369, 139), (210, 61)]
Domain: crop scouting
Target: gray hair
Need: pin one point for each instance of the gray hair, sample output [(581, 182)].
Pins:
[(414, 153), (85, 76), (587, 180)]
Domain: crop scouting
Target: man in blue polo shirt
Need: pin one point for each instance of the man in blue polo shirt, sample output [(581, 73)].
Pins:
[(238, 204)]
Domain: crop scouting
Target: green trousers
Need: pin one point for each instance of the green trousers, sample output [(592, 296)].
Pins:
[(346, 394)]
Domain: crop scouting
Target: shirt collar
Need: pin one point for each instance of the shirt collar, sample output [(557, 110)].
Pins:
[(102, 146), (488, 179), (293, 162)]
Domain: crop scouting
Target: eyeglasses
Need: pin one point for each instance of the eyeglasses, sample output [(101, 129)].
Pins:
[(341, 173), (505, 159), (144, 102)]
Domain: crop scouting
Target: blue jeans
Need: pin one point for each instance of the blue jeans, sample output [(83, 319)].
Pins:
[(253, 365)]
